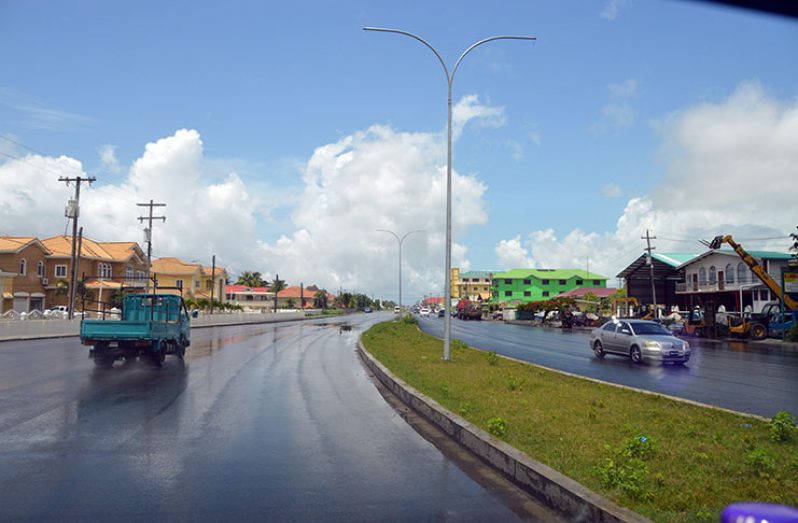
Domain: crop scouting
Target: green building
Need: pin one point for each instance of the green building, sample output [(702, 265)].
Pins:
[(525, 285)]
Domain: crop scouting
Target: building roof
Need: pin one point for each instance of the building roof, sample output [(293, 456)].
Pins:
[(18, 243), (208, 271), (476, 274), (762, 255), (601, 292), (548, 274), (174, 266), (293, 292), (61, 246), (674, 260), (243, 289)]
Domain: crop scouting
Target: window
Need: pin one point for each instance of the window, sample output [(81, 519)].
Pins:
[(179, 283), (729, 273), (527, 282), (610, 327), (104, 270), (580, 282), (508, 282), (562, 282), (702, 276), (508, 293), (713, 275), (196, 284), (208, 285), (40, 269), (764, 295), (741, 273), (596, 282), (129, 272), (527, 293), (23, 266), (545, 294), (545, 282), (141, 275), (60, 271)]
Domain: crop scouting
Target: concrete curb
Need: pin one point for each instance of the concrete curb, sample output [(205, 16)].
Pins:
[(546, 484)]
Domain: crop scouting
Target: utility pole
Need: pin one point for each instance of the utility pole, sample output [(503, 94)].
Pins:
[(72, 212), (650, 262), (213, 279), (148, 232)]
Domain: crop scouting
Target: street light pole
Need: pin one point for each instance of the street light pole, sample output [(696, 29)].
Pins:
[(447, 355), (400, 257)]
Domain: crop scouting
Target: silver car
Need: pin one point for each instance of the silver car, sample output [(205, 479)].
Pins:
[(641, 340)]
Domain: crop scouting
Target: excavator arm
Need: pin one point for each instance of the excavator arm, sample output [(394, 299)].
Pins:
[(757, 269)]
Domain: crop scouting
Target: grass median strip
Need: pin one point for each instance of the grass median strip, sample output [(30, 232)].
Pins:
[(665, 459)]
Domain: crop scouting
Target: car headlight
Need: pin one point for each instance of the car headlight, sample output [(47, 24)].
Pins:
[(651, 344)]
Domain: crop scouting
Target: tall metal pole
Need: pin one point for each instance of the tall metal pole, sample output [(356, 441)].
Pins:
[(400, 241), (447, 355), (650, 260)]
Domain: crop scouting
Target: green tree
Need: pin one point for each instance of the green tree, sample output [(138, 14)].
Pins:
[(291, 303), (251, 279), (320, 299)]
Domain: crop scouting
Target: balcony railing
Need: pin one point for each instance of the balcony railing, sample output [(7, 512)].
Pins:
[(718, 286)]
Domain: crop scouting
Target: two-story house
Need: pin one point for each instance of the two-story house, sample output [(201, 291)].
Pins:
[(528, 285), (664, 270), (173, 272), (23, 264), (721, 276)]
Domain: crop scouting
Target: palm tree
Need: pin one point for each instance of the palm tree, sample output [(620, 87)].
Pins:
[(276, 287), (251, 279)]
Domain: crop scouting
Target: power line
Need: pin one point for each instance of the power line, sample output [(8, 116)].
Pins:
[(148, 231)]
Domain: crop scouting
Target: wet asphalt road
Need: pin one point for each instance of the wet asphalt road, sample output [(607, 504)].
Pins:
[(735, 375), (261, 423)]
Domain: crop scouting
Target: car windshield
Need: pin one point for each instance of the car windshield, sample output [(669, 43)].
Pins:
[(650, 328)]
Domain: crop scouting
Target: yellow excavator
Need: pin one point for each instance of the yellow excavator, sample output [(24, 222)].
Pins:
[(757, 325)]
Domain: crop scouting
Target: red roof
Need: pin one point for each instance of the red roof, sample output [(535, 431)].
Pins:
[(601, 292), (293, 292), (235, 289)]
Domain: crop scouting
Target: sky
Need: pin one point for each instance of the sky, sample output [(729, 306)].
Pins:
[(282, 137)]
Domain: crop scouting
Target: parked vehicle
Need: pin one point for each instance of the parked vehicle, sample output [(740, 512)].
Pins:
[(469, 310), (770, 322), (424, 311), (151, 326), (397, 310), (640, 340), (367, 309), (441, 313)]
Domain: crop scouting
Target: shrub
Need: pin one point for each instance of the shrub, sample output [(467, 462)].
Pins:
[(497, 426), (408, 319), (792, 334), (628, 476), (782, 426), (493, 359), (762, 462), (640, 447)]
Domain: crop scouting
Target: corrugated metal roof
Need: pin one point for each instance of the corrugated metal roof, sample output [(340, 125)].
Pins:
[(476, 274), (674, 259)]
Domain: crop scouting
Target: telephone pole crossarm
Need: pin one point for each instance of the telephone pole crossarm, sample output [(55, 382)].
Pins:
[(148, 234)]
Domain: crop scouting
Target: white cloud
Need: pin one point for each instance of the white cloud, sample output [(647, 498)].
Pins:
[(469, 108), (612, 8), (511, 254), (377, 179), (204, 216), (618, 112), (730, 170), (612, 191), (108, 162)]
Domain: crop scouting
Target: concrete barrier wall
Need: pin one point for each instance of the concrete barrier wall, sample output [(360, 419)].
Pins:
[(543, 482), (32, 329)]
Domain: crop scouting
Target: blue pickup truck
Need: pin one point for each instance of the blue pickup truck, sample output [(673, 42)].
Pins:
[(151, 326)]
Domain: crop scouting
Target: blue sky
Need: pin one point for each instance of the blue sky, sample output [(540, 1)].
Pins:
[(571, 147)]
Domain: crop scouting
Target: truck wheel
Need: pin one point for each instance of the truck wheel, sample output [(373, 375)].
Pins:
[(158, 355), (758, 331)]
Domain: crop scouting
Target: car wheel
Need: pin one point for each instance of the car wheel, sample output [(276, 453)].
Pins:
[(598, 349), (635, 354)]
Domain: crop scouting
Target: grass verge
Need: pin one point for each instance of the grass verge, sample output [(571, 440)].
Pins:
[(667, 460)]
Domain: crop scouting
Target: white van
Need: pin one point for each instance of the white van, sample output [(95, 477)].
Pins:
[(397, 310)]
